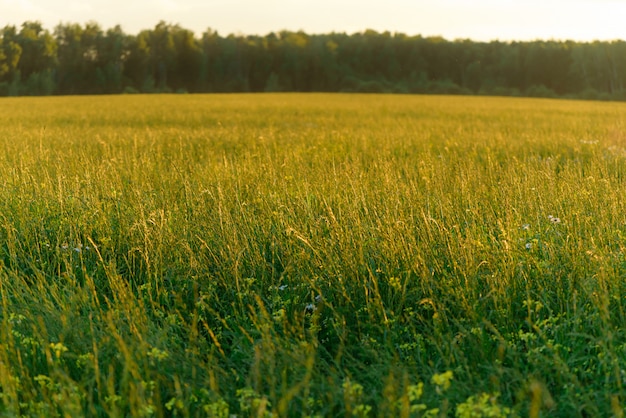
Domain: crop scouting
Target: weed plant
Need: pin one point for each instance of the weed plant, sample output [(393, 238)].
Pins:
[(312, 255)]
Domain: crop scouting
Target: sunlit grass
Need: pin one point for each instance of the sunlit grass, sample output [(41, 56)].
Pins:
[(302, 255)]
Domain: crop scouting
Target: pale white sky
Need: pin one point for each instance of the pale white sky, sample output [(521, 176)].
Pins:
[(474, 19)]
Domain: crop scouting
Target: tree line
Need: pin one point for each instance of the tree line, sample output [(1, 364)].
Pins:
[(85, 59)]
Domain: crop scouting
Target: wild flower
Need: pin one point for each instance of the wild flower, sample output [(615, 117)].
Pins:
[(310, 307), (529, 245), (58, 349), (554, 219), (442, 380), (485, 405), (526, 227)]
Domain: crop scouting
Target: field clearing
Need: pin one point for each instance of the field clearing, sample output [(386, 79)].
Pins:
[(312, 255)]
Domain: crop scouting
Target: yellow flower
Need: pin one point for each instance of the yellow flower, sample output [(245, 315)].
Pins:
[(443, 380)]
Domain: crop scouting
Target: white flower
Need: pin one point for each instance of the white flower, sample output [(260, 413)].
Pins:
[(282, 287), (526, 227), (529, 245), (554, 219), (310, 307)]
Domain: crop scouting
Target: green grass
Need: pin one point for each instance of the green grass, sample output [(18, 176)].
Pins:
[(303, 255)]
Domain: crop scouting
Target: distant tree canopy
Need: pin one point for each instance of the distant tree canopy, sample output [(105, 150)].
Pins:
[(75, 59)]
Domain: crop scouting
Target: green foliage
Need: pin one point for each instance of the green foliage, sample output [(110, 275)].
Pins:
[(76, 59), (482, 406), (311, 255)]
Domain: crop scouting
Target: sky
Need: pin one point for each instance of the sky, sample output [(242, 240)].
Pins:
[(479, 20)]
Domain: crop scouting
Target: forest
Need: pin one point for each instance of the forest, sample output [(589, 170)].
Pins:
[(86, 59)]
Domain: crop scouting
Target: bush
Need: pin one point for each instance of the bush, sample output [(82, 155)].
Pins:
[(130, 90), (446, 87), (500, 91), (590, 94), (540, 91), (371, 86)]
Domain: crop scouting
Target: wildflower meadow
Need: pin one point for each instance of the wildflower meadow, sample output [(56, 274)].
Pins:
[(318, 255)]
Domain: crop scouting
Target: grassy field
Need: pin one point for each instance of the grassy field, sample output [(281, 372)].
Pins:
[(312, 255)]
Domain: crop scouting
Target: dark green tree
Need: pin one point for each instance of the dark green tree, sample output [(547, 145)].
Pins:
[(79, 59), (10, 53), (188, 61)]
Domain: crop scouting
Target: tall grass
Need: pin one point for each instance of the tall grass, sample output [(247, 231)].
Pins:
[(312, 255)]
